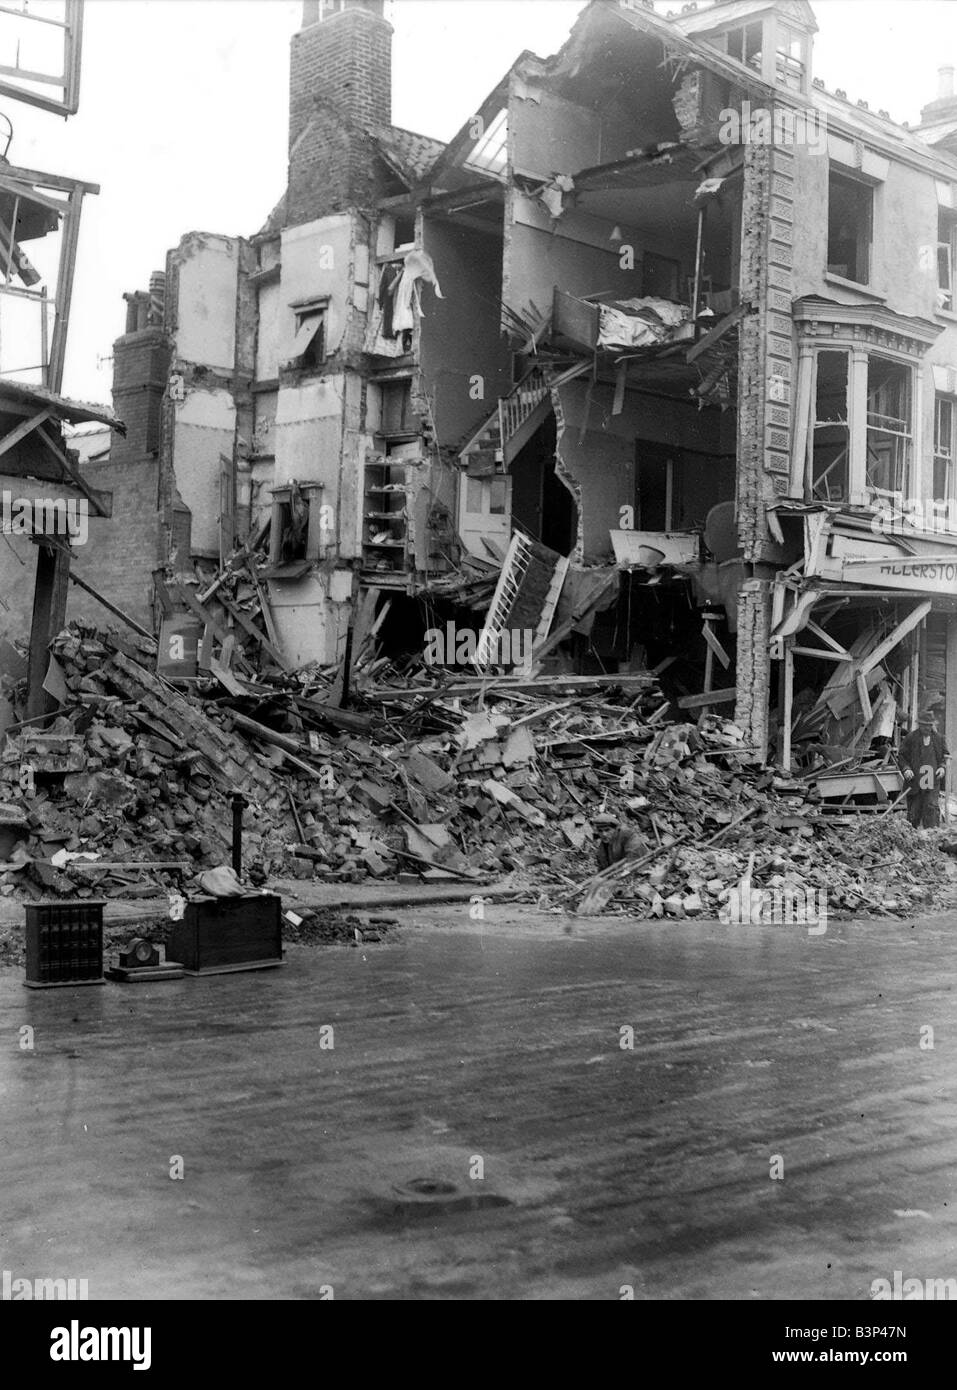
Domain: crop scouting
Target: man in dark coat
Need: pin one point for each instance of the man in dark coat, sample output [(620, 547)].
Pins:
[(923, 757)]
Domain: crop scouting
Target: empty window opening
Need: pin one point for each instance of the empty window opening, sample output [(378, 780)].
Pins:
[(745, 44), (488, 154), (830, 437), (294, 534), (292, 520), (404, 231), (849, 227), (945, 419), (946, 259), (397, 421), (889, 426)]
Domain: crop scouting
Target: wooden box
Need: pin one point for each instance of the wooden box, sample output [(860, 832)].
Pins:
[(223, 934)]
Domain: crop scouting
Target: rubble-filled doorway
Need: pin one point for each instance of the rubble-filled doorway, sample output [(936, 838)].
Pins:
[(542, 506)]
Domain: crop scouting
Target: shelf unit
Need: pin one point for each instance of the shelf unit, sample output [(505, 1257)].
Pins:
[(385, 523)]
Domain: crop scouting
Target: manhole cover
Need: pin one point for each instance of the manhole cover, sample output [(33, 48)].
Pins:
[(431, 1194), (427, 1190)]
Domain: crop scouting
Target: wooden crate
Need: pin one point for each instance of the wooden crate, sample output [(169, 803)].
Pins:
[(218, 935)]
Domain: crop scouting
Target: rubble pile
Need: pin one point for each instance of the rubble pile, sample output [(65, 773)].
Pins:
[(576, 788)]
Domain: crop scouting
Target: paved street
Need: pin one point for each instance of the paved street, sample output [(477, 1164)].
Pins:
[(466, 1046)]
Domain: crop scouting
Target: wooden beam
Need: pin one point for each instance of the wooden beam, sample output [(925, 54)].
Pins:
[(708, 697), (717, 333), (821, 655), (49, 617), (826, 637), (11, 440), (914, 618), (74, 473), (250, 627), (69, 238), (189, 601), (17, 171), (110, 607)]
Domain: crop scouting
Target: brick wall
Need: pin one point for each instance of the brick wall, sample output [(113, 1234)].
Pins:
[(121, 552), (333, 170), (346, 62), (340, 81), (140, 368)]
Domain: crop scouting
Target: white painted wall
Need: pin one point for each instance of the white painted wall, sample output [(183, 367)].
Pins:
[(206, 304), (308, 434), (267, 338), (204, 429), (312, 615), (315, 262)]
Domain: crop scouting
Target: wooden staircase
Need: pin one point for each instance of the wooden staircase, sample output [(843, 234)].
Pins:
[(511, 424)]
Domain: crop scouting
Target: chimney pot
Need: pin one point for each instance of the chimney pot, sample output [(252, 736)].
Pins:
[(945, 82)]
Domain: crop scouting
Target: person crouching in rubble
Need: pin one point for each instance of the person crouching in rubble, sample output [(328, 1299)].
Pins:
[(923, 757)]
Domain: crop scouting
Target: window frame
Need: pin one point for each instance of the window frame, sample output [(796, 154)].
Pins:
[(949, 459), (859, 490), (864, 238), (281, 498), (815, 424), (304, 311), (904, 436), (947, 247), (785, 64)]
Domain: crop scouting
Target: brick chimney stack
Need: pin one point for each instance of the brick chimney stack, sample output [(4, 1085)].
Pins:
[(141, 361), (341, 57)]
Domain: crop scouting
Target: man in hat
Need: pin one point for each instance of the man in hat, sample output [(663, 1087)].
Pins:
[(923, 757)]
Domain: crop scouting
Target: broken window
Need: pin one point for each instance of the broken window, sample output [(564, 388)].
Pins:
[(849, 227), (488, 154), (309, 344), (830, 444), (946, 258), (745, 44), (945, 419), (889, 426), (790, 58)]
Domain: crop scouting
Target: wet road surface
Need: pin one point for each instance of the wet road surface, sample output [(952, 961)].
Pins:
[(487, 1059)]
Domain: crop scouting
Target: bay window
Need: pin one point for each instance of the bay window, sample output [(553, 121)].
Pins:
[(856, 442)]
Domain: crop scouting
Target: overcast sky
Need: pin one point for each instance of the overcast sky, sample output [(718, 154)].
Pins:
[(184, 103)]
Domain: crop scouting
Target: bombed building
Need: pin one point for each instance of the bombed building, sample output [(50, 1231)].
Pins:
[(655, 360)]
